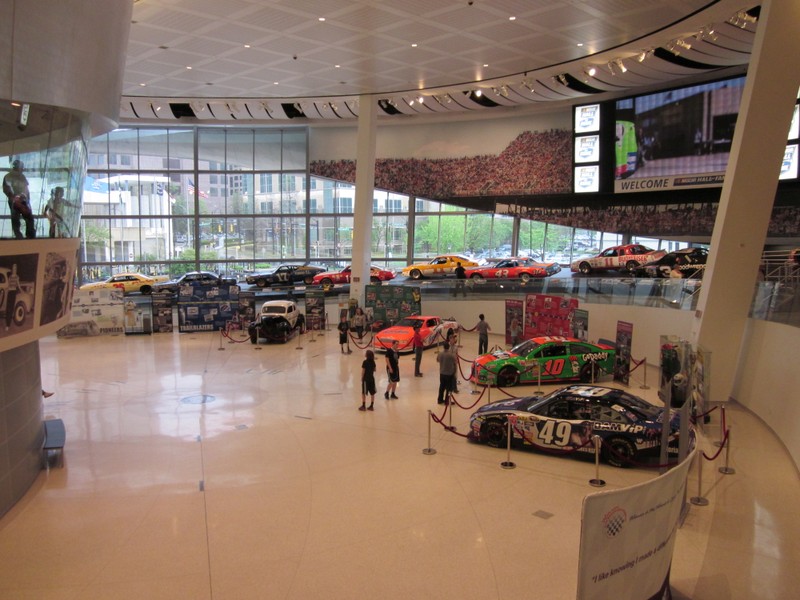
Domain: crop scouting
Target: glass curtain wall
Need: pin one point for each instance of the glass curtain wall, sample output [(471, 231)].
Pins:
[(234, 200)]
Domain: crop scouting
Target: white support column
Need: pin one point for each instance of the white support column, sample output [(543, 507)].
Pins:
[(365, 187), (748, 192)]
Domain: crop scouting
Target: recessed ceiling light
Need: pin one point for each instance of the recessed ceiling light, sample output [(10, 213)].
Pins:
[(580, 44), (512, 18), (143, 84), (485, 65), (274, 83), (336, 66), (247, 45), (188, 68), (322, 19), (413, 45)]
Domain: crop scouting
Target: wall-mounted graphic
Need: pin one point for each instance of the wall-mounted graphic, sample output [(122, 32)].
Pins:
[(95, 312), (17, 292), (56, 286)]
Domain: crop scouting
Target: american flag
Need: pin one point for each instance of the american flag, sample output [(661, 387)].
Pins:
[(191, 190)]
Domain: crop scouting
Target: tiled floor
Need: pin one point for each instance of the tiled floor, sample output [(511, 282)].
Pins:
[(278, 487)]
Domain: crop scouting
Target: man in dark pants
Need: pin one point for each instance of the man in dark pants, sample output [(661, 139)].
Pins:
[(461, 276), (417, 342), (447, 373), (15, 187)]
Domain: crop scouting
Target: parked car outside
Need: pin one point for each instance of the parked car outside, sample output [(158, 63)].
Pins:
[(620, 258), (285, 275), (684, 263), (328, 278), (567, 419), (558, 358), (440, 266), (127, 282)]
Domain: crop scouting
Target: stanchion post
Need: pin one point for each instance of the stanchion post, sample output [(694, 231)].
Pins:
[(644, 386), (539, 377), (719, 442), (449, 404), (507, 464), (699, 500), (299, 340), (596, 482), (220, 339), (727, 470), (429, 450)]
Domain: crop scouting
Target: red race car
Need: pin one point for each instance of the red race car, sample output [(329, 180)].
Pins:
[(620, 258), (432, 329), (329, 278), (523, 269)]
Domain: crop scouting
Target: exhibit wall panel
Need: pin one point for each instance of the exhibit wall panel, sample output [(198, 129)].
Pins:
[(768, 380)]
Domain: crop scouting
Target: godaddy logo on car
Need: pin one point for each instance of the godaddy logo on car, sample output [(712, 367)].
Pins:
[(594, 356)]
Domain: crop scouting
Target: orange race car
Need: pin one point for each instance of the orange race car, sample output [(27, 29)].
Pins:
[(433, 330)]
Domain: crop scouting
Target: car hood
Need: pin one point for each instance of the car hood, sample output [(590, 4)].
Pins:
[(401, 334), (485, 359), (503, 406)]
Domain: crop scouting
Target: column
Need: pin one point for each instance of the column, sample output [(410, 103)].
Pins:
[(365, 187)]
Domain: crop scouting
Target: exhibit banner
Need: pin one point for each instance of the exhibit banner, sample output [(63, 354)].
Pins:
[(206, 308), (546, 314), (315, 310), (138, 314), (628, 536), (95, 312), (580, 324), (622, 362), (385, 305), (162, 312)]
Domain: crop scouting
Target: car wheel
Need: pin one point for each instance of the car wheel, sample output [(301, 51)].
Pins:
[(524, 277), (374, 279), (589, 373), (262, 283), (476, 276), (19, 313), (631, 266), (146, 290), (415, 274), (494, 432), (309, 280), (585, 268), (620, 452), (507, 377), (253, 337)]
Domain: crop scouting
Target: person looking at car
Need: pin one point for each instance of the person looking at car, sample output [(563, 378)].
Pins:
[(368, 381), (344, 340), (359, 322), (483, 334), (392, 370), (461, 276), (419, 346), (447, 373)]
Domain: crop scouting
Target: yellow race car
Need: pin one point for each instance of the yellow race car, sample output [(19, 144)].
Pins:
[(440, 266), (127, 282)]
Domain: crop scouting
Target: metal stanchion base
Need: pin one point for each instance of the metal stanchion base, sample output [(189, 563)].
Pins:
[(507, 464), (429, 451), (597, 482), (698, 501), (718, 444), (727, 470), (644, 387), (257, 347)]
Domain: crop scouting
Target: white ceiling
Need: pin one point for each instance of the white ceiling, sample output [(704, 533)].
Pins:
[(262, 60)]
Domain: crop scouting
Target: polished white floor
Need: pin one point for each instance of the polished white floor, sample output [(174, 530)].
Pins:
[(278, 487)]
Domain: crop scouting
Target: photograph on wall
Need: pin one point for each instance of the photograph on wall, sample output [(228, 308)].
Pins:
[(56, 285), (17, 292), (622, 362), (674, 362), (389, 304)]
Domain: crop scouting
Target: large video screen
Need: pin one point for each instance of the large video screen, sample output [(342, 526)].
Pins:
[(679, 138)]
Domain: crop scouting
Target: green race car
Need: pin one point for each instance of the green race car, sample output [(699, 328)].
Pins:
[(558, 358)]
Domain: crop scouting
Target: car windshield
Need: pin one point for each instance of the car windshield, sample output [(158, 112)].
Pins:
[(415, 323), (273, 310), (525, 348)]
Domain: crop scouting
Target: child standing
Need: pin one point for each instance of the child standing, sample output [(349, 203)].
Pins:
[(368, 381), (344, 340)]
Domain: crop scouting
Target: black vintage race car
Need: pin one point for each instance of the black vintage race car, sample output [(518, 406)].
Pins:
[(285, 275), (686, 263), (193, 279), (277, 321)]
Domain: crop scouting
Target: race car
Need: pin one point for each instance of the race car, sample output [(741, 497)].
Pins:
[(329, 278), (523, 269), (127, 282), (621, 258), (567, 419), (683, 263), (440, 266), (558, 358), (285, 275), (434, 330), (277, 321), (193, 279)]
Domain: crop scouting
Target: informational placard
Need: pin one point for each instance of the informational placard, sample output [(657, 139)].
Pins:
[(95, 312), (385, 305), (206, 308), (622, 361), (548, 315), (628, 536)]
